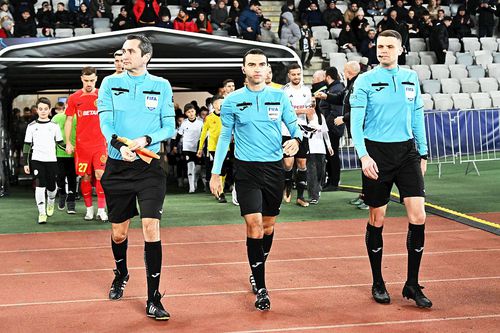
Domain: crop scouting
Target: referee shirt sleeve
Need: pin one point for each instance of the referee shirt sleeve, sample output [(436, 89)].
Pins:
[(289, 117), (227, 119), (359, 103), (418, 125), (105, 110), (167, 115)]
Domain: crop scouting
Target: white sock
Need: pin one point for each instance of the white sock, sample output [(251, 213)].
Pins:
[(190, 169), (51, 196), (40, 199), (100, 210), (90, 210)]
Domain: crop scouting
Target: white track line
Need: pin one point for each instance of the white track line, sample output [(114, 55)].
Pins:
[(107, 246), (246, 262), (377, 323), (233, 292)]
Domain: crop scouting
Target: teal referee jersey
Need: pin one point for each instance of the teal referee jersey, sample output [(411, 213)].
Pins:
[(386, 106), (135, 106), (255, 118)]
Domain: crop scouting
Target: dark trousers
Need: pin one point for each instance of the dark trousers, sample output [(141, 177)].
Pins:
[(333, 162), (485, 31), (315, 174), (66, 166), (441, 56)]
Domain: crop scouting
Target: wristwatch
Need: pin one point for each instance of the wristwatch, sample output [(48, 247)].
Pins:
[(148, 139)]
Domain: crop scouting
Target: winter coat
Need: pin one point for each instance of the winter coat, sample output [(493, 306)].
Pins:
[(290, 31)]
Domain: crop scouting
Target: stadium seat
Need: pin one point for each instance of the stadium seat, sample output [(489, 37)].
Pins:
[(338, 60), (431, 86), (494, 70), (427, 57), (377, 19), (428, 102), (476, 71), (447, 10), (461, 101), (458, 71), (405, 66), (63, 32), (495, 98), (221, 32), (450, 86), (356, 56), (99, 23), (39, 32), (115, 9), (471, 44), (450, 59), (440, 71), (488, 84), (83, 31), (454, 8), (412, 58), (319, 27), (417, 45), (328, 46), (335, 32), (423, 72), (464, 58), (496, 57), (469, 85), (489, 43), (454, 45), (442, 102), (483, 57), (319, 35), (101, 30), (342, 7), (481, 100)]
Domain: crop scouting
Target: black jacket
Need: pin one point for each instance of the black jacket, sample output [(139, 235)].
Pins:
[(439, 38), (331, 107), (25, 28)]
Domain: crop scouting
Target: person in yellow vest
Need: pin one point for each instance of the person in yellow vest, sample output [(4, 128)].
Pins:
[(269, 80)]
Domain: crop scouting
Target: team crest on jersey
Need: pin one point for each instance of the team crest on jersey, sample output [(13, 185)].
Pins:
[(410, 93), (151, 102), (95, 102), (273, 112), (103, 159)]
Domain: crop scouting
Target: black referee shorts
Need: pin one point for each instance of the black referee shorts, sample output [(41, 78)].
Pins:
[(259, 186), (303, 147), (398, 163), (126, 183)]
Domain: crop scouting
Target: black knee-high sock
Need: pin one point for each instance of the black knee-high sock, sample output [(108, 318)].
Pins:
[(256, 260), (120, 254), (152, 258), (301, 182), (415, 246), (267, 242), (374, 245), (288, 180)]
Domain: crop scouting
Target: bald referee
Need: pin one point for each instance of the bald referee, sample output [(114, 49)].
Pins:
[(387, 125)]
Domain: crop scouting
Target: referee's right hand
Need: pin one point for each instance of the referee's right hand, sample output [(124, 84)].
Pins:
[(127, 154), (369, 167), (216, 185)]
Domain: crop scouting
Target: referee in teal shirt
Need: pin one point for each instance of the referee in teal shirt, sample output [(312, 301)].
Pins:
[(387, 126), (254, 114), (138, 106)]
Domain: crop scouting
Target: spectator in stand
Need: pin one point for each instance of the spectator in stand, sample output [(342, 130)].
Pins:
[(83, 18), (74, 5), (7, 28), (46, 18), (433, 8), (376, 7), (351, 12), (304, 6), (5, 12), (347, 39), (183, 22), (102, 9), (289, 6), (268, 36), (440, 17), (332, 16), (249, 22), (426, 25), (368, 47), (146, 12), (203, 25), (234, 16), (290, 31), (164, 21), (19, 6), (418, 9), (123, 21), (391, 23), (462, 24), (438, 40), (486, 19), (62, 17), (313, 16), (413, 24), (25, 26), (401, 10), (307, 44), (358, 24), (219, 16), (192, 7)]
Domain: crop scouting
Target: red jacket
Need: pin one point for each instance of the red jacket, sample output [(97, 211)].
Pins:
[(209, 28), (184, 25), (139, 8)]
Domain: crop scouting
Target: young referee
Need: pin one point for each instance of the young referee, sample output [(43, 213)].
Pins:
[(139, 106), (387, 125), (254, 113)]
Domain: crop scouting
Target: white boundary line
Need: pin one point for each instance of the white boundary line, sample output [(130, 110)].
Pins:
[(377, 323), (246, 262), (233, 292), (107, 246)]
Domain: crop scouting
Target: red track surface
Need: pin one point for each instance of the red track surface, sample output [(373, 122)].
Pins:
[(318, 275)]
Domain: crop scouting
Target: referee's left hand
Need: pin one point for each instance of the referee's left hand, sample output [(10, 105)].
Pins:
[(138, 143), (291, 147)]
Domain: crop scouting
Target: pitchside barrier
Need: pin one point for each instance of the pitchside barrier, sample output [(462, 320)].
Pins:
[(468, 136)]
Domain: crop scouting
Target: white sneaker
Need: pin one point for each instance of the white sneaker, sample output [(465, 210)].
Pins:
[(90, 214), (234, 197), (101, 215)]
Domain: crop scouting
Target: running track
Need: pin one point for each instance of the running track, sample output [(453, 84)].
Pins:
[(318, 275)]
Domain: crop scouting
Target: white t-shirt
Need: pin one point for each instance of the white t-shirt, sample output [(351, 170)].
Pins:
[(300, 98), (190, 131), (43, 137), (316, 142)]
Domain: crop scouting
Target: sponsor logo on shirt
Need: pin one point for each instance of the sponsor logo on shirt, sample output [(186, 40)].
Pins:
[(85, 113)]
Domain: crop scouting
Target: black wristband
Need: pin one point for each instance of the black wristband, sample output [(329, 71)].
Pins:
[(298, 140), (148, 139), (115, 143), (424, 157)]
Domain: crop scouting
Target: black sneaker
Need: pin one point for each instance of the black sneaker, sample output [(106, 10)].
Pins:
[(71, 207), (119, 283), (62, 201), (222, 198), (380, 294), (155, 309), (415, 293), (262, 303), (253, 284)]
